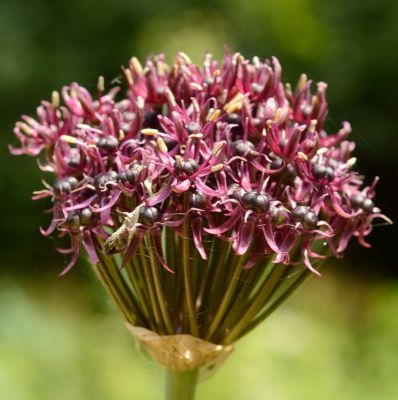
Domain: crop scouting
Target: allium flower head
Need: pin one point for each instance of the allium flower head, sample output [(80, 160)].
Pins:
[(208, 186)]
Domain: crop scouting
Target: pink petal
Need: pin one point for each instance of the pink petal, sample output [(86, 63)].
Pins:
[(269, 237), (245, 236), (182, 186), (160, 196), (90, 247), (227, 225), (75, 257), (157, 241), (308, 263), (197, 236), (206, 189)]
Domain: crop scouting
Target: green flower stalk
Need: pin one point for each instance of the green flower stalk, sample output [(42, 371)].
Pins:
[(203, 196)]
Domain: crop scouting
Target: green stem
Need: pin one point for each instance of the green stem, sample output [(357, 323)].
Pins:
[(151, 289), (164, 312), (181, 385), (225, 302), (187, 276), (257, 303)]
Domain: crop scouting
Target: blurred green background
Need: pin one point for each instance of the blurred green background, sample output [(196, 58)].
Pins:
[(337, 338)]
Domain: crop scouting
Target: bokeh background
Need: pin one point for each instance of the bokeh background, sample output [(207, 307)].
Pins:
[(336, 338)]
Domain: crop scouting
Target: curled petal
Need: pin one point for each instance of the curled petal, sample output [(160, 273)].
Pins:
[(197, 236), (269, 237), (90, 247), (75, 256), (160, 196), (244, 237), (308, 264), (227, 225), (157, 242)]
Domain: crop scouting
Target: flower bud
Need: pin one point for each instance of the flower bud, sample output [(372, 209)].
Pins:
[(242, 148), (101, 181), (149, 215), (357, 201), (197, 200), (73, 221), (65, 185), (86, 216), (310, 220), (108, 144), (299, 213), (367, 206), (257, 202)]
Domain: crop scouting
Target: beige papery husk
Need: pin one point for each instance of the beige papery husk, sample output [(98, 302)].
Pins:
[(182, 352)]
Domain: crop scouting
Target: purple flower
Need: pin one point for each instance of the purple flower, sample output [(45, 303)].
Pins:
[(218, 153)]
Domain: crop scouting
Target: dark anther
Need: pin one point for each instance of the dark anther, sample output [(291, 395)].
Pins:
[(242, 148), (132, 175), (188, 167), (310, 220), (197, 200), (319, 171), (248, 199), (299, 213), (73, 181), (278, 217), (289, 174), (73, 221), (149, 215), (277, 163), (257, 202), (62, 187), (329, 173), (121, 177), (101, 180), (108, 144), (368, 206), (282, 143), (235, 191), (192, 127), (65, 185), (86, 216), (357, 201)]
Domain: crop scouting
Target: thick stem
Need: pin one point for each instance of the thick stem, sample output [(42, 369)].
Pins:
[(181, 385)]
